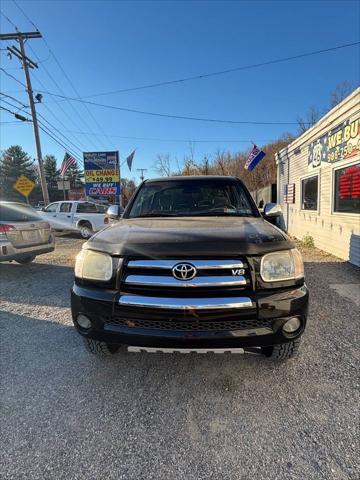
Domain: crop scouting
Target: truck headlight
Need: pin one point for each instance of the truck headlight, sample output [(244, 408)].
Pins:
[(284, 265), (93, 265)]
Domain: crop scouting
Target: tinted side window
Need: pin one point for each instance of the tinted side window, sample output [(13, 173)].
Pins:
[(65, 207), (86, 208), (309, 189), (51, 208), (15, 212)]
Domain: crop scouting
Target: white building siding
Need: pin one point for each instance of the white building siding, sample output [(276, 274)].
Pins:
[(336, 233)]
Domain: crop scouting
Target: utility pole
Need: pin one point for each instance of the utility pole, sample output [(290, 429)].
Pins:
[(206, 161), (142, 170), (26, 63)]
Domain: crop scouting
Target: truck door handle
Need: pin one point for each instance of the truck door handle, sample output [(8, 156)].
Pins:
[(68, 216), (54, 215)]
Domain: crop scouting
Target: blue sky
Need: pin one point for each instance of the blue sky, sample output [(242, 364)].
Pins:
[(109, 45)]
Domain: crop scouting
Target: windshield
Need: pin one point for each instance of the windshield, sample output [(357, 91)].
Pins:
[(191, 198), (16, 212)]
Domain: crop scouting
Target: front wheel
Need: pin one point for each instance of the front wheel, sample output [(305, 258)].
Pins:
[(283, 351), (26, 260), (86, 230), (98, 348)]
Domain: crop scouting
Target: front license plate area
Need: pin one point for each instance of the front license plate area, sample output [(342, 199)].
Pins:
[(185, 350)]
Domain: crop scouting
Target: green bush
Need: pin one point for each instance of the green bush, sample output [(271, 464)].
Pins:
[(308, 241)]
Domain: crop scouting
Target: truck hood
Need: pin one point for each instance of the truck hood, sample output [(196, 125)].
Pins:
[(190, 236)]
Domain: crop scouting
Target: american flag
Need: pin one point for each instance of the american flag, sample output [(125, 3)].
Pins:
[(255, 156), (289, 193), (66, 163)]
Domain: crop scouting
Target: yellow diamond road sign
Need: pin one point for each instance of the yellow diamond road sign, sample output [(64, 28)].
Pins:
[(24, 185)]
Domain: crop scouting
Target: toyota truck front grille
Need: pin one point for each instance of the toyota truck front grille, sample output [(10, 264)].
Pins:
[(186, 277), (186, 294)]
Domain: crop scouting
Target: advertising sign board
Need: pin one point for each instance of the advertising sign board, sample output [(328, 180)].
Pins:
[(340, 143), (102, 176)]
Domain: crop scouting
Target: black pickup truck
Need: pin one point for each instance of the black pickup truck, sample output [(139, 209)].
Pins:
[(191, 266)]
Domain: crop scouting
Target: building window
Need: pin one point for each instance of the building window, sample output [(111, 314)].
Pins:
[(347, 189), (309, 193)]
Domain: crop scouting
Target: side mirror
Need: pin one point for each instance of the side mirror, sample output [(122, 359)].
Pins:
[(114, 212), (272, 210)]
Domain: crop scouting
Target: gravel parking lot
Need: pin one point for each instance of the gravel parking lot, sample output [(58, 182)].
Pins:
[(68, 415)]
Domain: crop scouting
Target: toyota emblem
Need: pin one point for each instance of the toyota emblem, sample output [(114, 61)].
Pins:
[(184, 271)]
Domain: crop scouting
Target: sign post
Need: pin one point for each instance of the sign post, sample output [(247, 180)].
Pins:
[(24, 186), (102, 174)]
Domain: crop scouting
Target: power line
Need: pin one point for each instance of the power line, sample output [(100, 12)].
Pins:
[(196, 77), (74, 89), (42, 116), (168, 115), (26, 16), (8, 19), (223, 72), (12, 76), (14, 91), (14, 99), (11, 105), (14, 122), (65, 139), (20, 117), (69, 117), (56, 139), (157, 139), (63, 71), (179, 140), (46, 130), (68, 101)]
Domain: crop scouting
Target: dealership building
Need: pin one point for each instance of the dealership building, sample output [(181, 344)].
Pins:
[(318, 182)]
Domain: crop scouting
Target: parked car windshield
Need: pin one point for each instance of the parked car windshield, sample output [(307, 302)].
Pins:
[(17, 212), (191, 198)]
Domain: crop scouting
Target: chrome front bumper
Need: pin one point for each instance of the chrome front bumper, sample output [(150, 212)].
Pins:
[(215, 303), (176, 322)]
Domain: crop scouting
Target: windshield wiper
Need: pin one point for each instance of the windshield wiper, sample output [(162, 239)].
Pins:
[(149, 215), (223, 214)]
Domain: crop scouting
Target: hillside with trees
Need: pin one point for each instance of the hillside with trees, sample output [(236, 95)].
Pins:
[(227, 163)]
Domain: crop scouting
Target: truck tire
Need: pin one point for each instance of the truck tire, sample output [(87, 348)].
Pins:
[(86, 230), (283, 351), (25, 260), (100, 349)]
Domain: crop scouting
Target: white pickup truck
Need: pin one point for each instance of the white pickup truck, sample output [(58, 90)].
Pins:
[(80, 216)]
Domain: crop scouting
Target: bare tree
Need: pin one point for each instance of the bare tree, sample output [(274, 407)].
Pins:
[(163, 164), (192, 151), (312, 116), (190, 167), (341, 91)]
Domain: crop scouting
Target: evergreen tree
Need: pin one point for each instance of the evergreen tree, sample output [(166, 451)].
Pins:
[(51, 171), (14, 162), (75, 175)]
